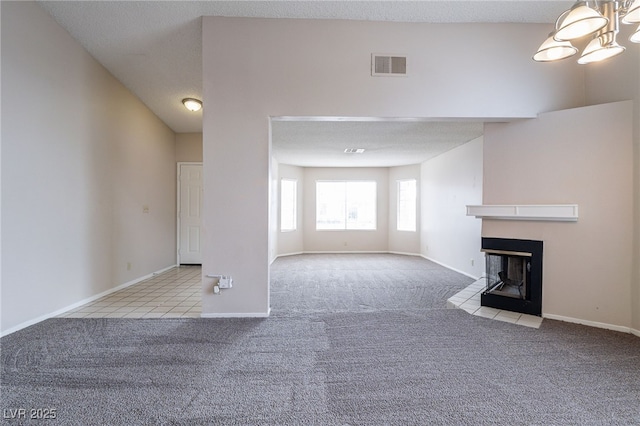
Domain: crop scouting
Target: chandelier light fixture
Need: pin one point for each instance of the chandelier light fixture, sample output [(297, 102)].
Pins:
[(598, 19)]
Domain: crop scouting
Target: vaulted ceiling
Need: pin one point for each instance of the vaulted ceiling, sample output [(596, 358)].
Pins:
[(155, 49)]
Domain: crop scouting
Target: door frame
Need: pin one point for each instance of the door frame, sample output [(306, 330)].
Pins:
[(178, 198)]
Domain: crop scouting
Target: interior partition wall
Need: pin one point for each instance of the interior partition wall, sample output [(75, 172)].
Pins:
[(260, 68)]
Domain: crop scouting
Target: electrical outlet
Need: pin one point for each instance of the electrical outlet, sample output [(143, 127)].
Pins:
[(128, 266), (473, 262)]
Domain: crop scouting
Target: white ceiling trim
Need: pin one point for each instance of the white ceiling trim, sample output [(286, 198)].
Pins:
[(327, 118)]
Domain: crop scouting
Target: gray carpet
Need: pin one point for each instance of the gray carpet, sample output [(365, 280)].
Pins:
[(322, 283), (351, 358)]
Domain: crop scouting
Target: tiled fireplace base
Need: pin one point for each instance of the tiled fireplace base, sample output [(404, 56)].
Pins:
[(469, 300)]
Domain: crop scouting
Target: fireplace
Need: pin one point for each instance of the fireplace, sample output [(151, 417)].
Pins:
[(513, 275)]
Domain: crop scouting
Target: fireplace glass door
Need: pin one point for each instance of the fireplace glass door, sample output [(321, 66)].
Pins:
[(508, 273)]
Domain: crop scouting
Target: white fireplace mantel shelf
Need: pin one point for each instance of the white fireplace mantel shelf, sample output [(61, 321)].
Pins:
[(548, 212)]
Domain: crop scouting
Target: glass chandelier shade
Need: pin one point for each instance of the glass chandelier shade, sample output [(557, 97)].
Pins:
[(579, 22), (601, 22), (553, 50), (600, 48), (633, 13)]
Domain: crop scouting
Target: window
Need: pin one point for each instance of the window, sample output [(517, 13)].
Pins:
[(407, 205), (288, 202), (345, 205)]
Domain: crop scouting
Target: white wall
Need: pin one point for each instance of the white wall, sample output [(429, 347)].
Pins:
[(80, 159), (450, 182), (403, 241), (189, 147), (291, 242), (257, 68), (580, 156), (348, 240), (618, 80)]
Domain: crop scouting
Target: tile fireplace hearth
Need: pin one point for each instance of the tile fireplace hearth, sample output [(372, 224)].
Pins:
[(468, 300)]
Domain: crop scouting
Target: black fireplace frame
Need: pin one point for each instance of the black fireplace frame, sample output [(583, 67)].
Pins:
[(532, 303)]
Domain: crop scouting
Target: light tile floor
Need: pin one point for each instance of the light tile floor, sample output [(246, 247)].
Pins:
[(175, 293), (469, 300)]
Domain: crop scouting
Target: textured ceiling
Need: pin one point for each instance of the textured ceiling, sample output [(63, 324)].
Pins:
[(386, 143), (154, 47)]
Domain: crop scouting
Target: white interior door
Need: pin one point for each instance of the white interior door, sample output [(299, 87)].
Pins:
[(189, 213)]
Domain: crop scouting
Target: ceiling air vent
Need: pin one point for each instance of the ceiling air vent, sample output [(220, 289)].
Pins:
[(388, 65)]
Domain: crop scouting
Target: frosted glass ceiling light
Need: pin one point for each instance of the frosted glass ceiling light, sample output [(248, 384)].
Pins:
[(553, 50), (579, 22), (635, 37), (192, 104), (633, 13)]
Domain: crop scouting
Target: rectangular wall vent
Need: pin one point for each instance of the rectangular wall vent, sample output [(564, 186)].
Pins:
[(354, 150), (388, 65)]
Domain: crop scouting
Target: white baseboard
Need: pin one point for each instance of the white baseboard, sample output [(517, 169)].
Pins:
[(346, 252), (595, 324), (450, 267), (237, 314), (289, 254), (284, 255), (404, 253), (82, 302), (153, 274)]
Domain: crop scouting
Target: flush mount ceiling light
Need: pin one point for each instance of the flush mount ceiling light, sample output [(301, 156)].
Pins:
[(192, 104), (598, 19)]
